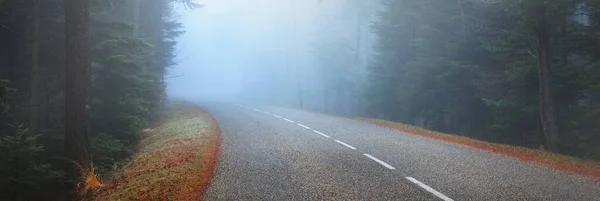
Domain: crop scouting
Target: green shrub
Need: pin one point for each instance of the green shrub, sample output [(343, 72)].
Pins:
[(108, 152), (21, 172)]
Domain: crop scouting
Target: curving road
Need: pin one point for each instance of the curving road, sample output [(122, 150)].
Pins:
[(272, 153)]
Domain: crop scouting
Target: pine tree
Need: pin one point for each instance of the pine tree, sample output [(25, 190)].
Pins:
[(77, 92)]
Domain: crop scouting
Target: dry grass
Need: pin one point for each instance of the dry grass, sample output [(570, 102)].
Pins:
[(537, 156), (175, 160), (90, 182)]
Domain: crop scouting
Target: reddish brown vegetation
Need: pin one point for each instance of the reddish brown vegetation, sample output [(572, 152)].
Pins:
[(209, 155), (175, 161)]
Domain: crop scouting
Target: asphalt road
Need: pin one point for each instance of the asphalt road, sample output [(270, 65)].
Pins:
[(272, 153)]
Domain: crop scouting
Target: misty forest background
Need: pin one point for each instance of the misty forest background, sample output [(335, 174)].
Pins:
[(507, 71), (517, 72)]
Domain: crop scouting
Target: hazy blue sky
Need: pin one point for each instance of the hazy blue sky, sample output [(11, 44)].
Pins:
[(274, 51), (227, 36)]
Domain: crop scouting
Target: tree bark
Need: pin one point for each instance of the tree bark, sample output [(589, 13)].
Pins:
[(34, 98), (547, 109), (299, 87), (78, 84), (326, 96), (136, 17), (295, 63), (354, 103)]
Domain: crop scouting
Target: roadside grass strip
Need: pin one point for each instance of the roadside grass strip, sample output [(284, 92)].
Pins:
[(174, 161)]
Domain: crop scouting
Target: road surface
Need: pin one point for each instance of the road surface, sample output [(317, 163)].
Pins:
[(273, 153)]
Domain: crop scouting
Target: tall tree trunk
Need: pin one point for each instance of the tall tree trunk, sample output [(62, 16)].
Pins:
[(34, 98), (354, 103), (299, 87), (136, 17), (325, 100), (154, 9), (295, 62), (547, 110), (78, 84)]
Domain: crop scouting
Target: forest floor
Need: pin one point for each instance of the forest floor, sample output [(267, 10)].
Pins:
[(175, 160), (537, 156)]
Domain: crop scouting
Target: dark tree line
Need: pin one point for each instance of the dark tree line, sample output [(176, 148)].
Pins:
[(79, 80), (509, 71)]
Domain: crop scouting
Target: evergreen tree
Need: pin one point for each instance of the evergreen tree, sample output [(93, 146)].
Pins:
[(129, 54), (515, 72)]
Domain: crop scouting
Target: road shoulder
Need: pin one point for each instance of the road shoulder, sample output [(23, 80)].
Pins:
[(175, 160)]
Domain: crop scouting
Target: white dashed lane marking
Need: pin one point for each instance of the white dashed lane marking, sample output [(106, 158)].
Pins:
[(317, 132), (431, 190), (303, 126), (347, 145), (388, 166)]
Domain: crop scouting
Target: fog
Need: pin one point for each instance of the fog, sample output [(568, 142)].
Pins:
[(274, 51)]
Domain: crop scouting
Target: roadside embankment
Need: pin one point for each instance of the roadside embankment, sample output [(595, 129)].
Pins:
[(175, 160)]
